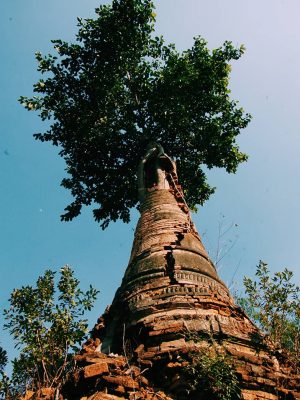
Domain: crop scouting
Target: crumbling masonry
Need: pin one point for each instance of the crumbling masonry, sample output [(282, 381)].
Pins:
[(171, 303)]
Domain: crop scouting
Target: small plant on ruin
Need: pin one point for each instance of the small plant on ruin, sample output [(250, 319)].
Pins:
[(273, 303), (212, 376), (210, 373), (46, 322)]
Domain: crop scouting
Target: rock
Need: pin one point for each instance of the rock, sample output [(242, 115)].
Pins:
[(125, 381), (95, 369), (105, 396)]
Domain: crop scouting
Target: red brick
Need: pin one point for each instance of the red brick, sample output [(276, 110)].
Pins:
[(95, 369)]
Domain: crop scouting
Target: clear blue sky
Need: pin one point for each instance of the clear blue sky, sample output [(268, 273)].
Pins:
[(262, 198)]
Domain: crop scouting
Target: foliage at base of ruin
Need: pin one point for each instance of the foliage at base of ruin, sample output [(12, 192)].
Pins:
[(46, 322), (272, 302), (212, 376)]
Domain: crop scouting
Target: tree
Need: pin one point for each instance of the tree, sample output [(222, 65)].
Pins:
[(3, 360), (273, 303), (117, 89), (4, 382), (47, 327)]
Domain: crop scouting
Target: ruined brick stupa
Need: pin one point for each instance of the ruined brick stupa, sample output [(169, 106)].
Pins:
[(171, 294), (170, 284)]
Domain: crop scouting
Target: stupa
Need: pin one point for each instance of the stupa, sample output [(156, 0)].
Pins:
[(171, 303), (170, 284)]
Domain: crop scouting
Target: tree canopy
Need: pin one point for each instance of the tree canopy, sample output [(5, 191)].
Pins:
[(119, 87)]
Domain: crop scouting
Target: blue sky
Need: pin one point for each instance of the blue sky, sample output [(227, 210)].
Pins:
[(262, 199)]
